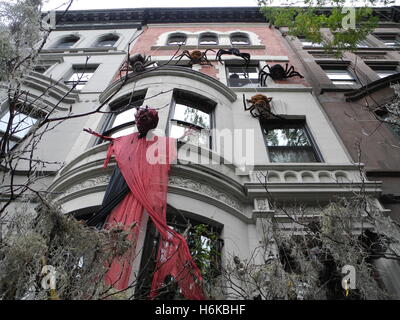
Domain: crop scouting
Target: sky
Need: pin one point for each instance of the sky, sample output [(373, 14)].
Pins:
[(108, 4)]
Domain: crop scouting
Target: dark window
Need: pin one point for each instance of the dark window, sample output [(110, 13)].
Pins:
[(41, 68), (239, 76), (207, 39), (67, 42), (339, 75), (289, 141), (107, 41), (390, 40), (240, 39), (176, 39), (23, 121), (80, 76), (122, 120), (207, 256), (191, 114), (384, 70)]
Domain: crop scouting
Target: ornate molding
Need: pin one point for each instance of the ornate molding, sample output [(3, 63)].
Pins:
[(176, 181), (86, 184), (207, 190)]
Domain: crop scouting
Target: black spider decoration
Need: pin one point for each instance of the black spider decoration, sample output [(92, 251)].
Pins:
[(277, 72), (236, 52), (138, 63), (195, 57)]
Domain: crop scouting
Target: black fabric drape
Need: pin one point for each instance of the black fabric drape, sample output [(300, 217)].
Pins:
[(116, 190)]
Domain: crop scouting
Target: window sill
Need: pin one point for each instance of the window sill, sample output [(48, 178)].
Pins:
[(339, 88)]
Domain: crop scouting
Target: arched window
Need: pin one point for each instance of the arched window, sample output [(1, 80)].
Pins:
[(192, 113), (207, 39), (122, 122), (107, 40), (240, 39), (67, 42), (176, 39)]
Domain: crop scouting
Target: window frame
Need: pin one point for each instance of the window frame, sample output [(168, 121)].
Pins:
[(106, 38), (64, 40), (386, 37), (205, 34), (192, 100), (235, 63), (176, 34), (337, 68), (240, 34), (137, 100), (80, 70), (151, 244), (30, 112), (291, 123), (378, 68)]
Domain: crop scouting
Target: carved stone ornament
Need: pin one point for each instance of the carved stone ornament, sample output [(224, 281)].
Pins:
[(261, 205), (207, 190)]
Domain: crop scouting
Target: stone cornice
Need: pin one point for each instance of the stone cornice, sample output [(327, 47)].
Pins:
[(134, 17)]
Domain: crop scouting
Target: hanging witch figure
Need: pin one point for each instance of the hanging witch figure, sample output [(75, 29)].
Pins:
[(139, 184)]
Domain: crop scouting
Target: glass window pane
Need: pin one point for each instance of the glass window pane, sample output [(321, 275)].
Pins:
[(194, 136), (237, 76), (177, 40), (124, 131), (81, 76), (291, 155), (208, 39), (191, 115), (287, 137), (240, 39), (22, 123), (289, 144), (339, 75), (107, 41), (343, 82), (67, 42), (124, 117)]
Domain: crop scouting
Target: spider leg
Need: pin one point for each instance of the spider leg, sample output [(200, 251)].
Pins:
[(246, 57), (183, 54), (204, 57), (209, 50), (263, 79), (244, 104), (254, 115), (220, 53), (286, 68), (294, 74)]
